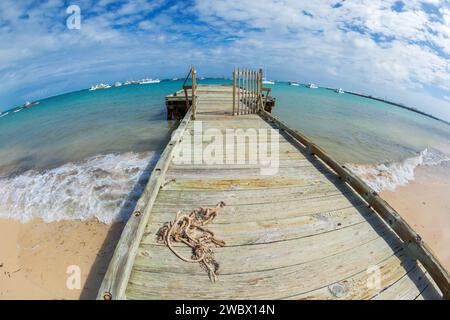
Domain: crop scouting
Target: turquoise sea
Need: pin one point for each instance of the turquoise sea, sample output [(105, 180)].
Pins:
[(82, 155)]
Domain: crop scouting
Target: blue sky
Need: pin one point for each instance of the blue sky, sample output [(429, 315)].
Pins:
[(399, 50)]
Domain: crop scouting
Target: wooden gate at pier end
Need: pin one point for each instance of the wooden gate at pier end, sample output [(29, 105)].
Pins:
[(247, 91)]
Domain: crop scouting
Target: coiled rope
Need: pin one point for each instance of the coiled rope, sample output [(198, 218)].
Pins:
[(189, 229)]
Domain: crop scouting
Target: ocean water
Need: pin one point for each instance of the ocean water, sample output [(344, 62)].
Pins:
[(87, 155), (380, 142)]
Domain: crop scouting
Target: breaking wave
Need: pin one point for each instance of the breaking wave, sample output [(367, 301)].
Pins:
[(105, 187), (390, 175)]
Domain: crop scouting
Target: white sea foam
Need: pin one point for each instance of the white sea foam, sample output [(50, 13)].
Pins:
[(103, 187), (390, 175)]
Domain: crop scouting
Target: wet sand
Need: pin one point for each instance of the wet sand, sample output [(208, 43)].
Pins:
[(36, 258), (425, 204)]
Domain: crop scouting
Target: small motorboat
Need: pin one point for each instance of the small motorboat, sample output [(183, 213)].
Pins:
[(30, 104), (100, 86), (311, 86), (294, 83), (149, 81), (268, 81), (339, 90)]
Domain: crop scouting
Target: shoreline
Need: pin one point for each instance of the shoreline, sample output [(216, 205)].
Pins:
[(35, 258), (425, 205), (396, 104)]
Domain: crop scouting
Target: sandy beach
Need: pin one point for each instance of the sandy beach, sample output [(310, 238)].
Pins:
[(35, 258), (425, 204)]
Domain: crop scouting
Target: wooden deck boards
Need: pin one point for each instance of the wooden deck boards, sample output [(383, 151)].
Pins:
[(299, 234)]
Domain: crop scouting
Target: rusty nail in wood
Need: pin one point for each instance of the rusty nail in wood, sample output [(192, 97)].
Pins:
[(107, 296)]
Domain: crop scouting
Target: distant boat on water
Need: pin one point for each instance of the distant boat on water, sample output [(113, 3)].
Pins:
[(268, 81), (312, 86), (100, 86), (339, 90), (174, 79), (30, 104), (128, 82), (117, 84), (294, 83), (149, 81)]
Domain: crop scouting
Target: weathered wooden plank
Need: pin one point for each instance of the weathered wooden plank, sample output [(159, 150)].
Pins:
[(265, 284), (235, 173), (266, 254), (407, 287), (362, 286), (235, 232), (238, 197), (333, 204)]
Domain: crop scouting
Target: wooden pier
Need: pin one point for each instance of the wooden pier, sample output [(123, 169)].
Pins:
[(312, 230)]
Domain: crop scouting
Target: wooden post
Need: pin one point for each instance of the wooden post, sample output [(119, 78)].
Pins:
[(255, 91), (234, 91), (239, 90), (246, 91), (260, 87), (252, 90), (194, 89), (249, 91)]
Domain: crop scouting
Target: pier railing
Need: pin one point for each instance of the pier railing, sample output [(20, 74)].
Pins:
[(193, 87), (413, 241)]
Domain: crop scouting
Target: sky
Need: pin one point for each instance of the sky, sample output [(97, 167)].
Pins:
[(397, 50)]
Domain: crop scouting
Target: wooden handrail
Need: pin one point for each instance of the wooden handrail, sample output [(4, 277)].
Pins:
[(187, 77), (193, 87), (411, 238)]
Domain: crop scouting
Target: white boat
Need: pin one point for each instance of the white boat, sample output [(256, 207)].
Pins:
[(293, 83), (174, 79), (268, 81), (3, 114), (100, 86), (117, 84), (312, 86), (30, 104), (148, 81), (339, 90), (128, 82)]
